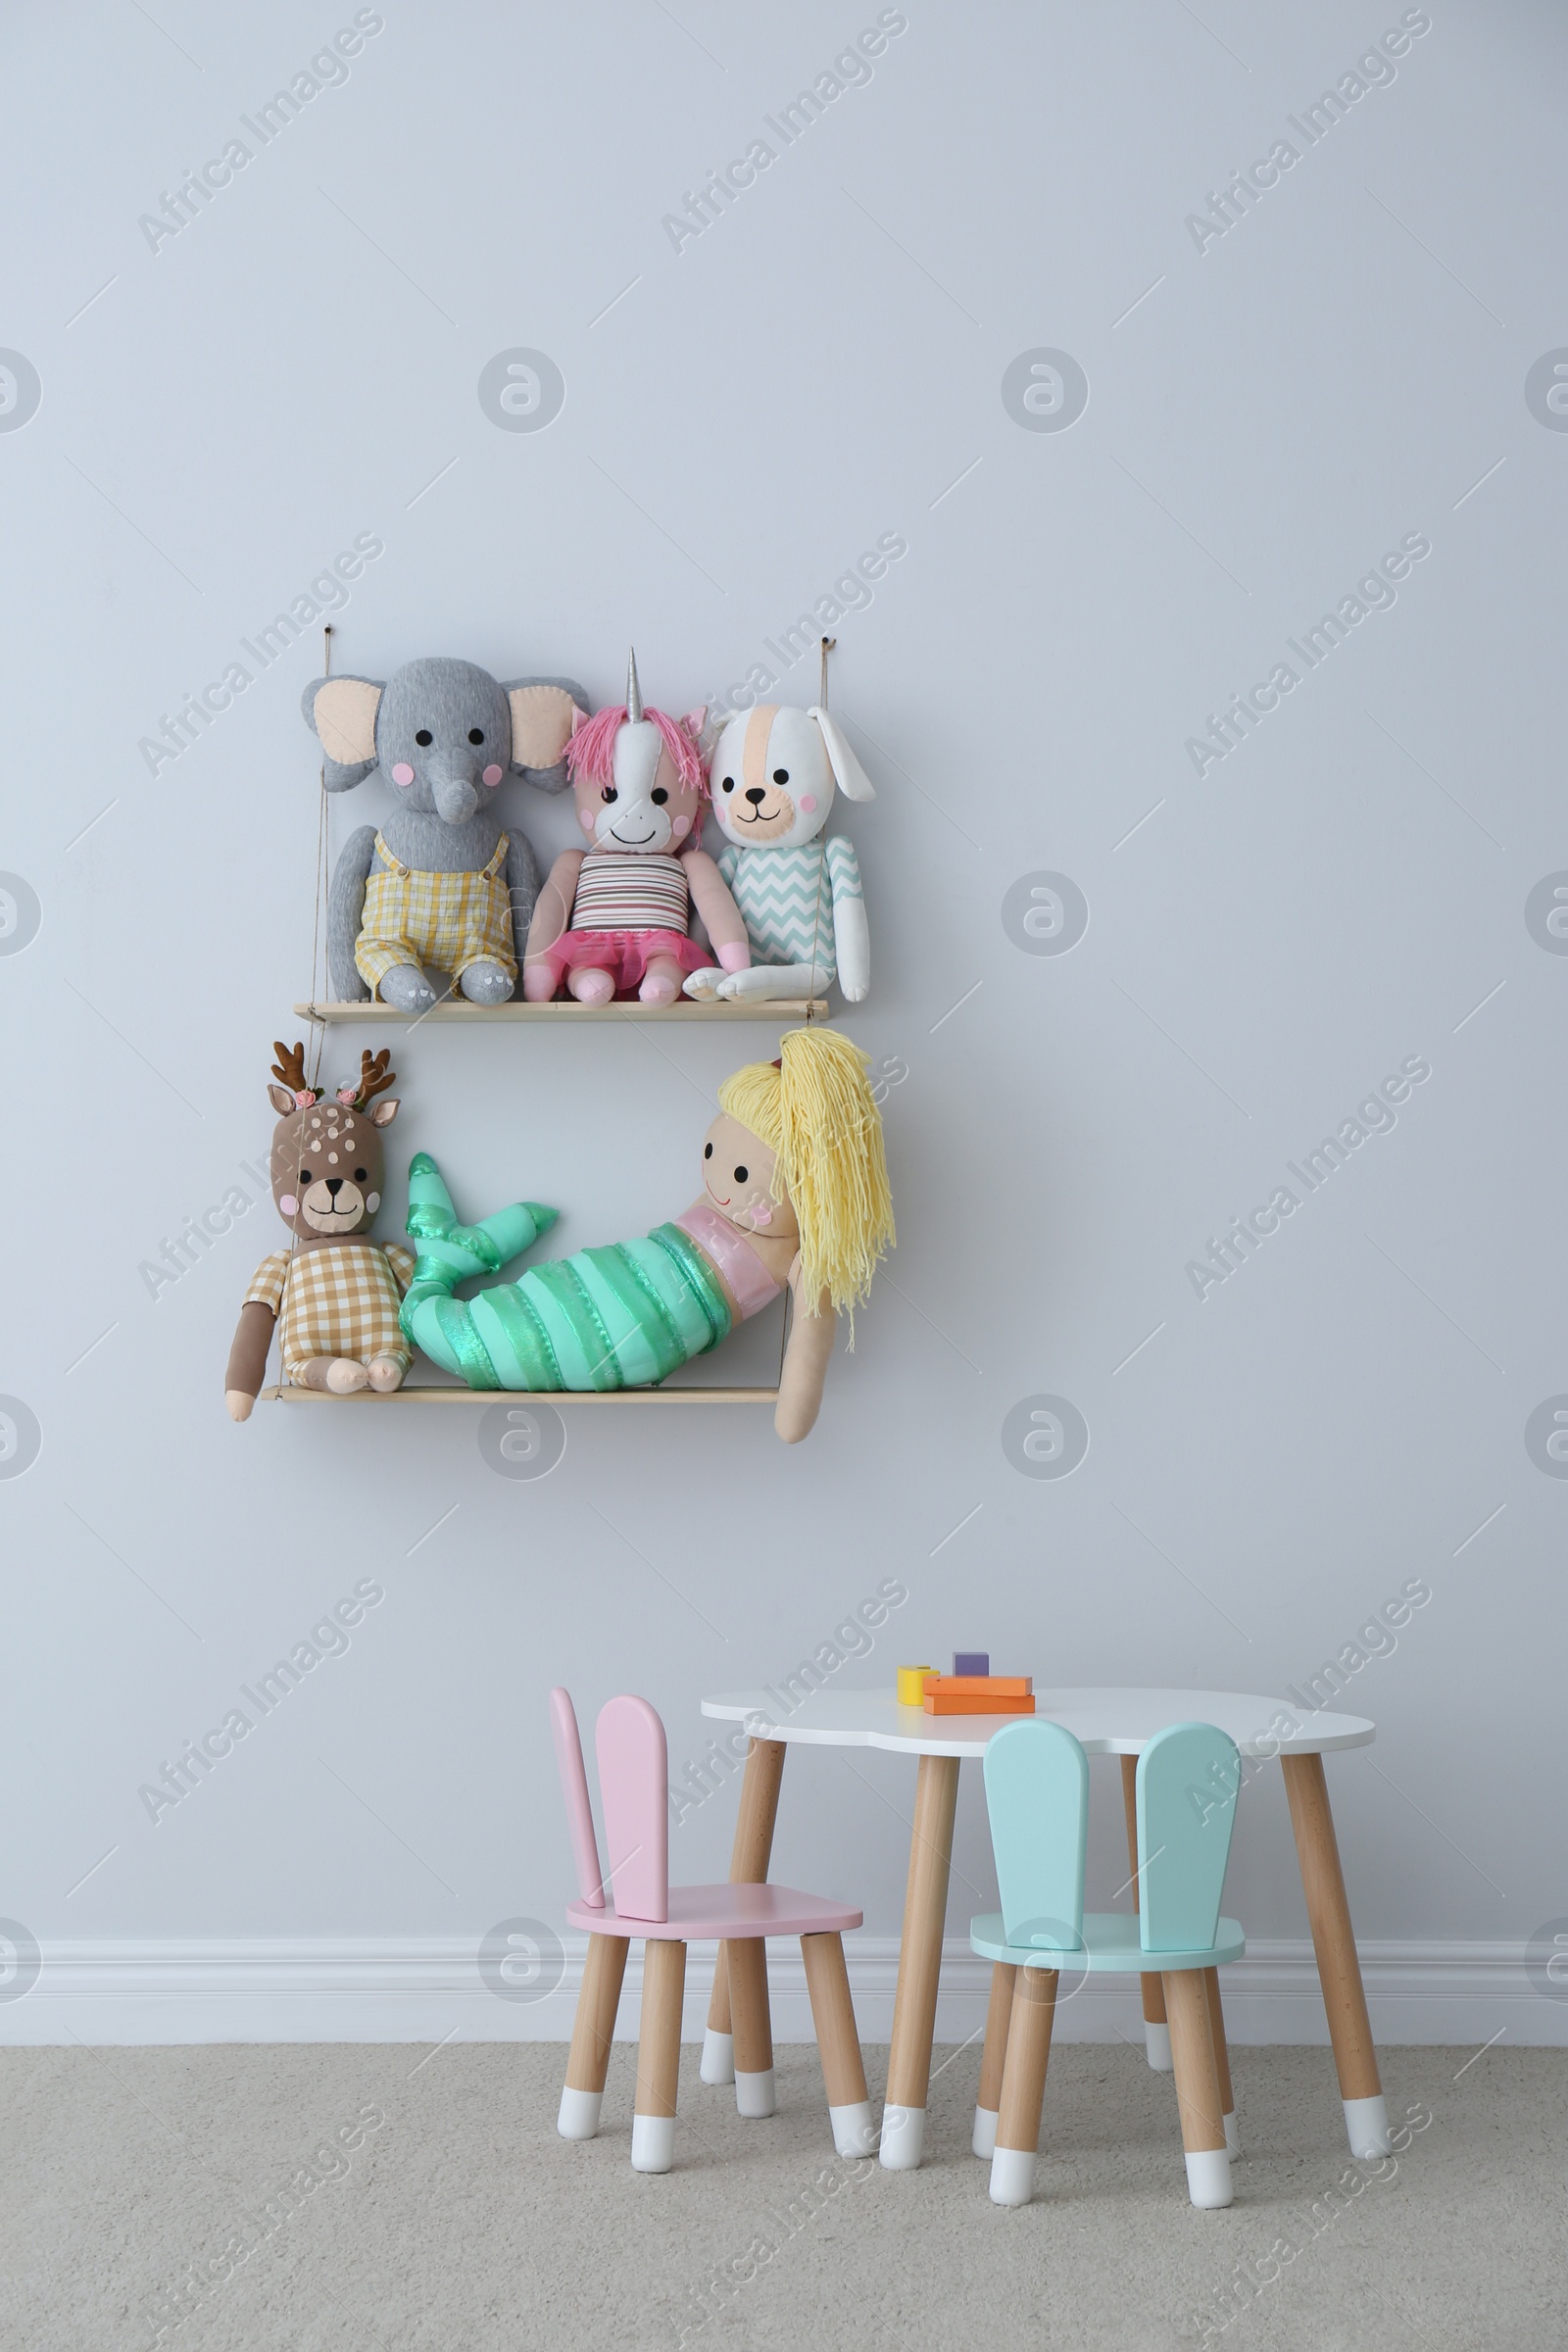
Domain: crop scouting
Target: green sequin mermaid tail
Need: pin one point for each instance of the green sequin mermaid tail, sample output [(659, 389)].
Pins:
[(621, 1317)]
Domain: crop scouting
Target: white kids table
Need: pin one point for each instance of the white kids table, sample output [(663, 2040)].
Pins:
[(1110, 1722)]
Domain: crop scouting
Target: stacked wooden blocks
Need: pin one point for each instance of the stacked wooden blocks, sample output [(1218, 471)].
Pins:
[(971, 1689)]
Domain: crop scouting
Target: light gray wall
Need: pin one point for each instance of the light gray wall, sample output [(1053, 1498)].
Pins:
[(743, 418)]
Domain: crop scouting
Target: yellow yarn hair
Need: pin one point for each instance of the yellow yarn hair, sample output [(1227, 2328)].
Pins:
[(818, 1115)]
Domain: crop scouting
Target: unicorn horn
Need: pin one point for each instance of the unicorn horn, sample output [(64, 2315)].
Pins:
[(634, 693)]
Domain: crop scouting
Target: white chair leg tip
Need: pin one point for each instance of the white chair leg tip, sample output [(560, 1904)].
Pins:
[(853, 2129), (718, 2057), (1232, 2135), (652, 2144), (753, 2093), (984, 2140), (579, 2114), (902, 2139), (1208, 2178), (1367, 2123), (1013, 2176), (1157, 2047)]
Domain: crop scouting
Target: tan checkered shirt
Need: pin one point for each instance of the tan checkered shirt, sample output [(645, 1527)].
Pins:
[(339, 1300)]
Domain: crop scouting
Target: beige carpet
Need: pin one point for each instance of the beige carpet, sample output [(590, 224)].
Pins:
[(346, 2198)]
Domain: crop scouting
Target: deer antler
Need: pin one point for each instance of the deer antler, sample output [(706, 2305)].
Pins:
[(290, 1068), (375, 1076)]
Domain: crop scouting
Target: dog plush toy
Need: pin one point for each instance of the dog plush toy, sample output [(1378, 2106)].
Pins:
[(795, 1191), (774, 774), (333, 1295), (614, 918)]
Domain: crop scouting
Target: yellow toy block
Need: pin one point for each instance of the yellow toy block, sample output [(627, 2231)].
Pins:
[(911, 1685)]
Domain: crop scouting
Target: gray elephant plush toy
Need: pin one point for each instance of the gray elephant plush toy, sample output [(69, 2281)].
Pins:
[(441, 884)]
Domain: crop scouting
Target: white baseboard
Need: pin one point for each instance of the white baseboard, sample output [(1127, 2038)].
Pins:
[(422, 1989)]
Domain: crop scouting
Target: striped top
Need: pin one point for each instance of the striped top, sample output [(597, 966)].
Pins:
[(620, 892)]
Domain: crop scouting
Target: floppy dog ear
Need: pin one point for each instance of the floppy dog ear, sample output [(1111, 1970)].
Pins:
[(847, 773)]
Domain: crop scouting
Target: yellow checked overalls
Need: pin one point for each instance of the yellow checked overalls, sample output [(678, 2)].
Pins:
[(447, 920)]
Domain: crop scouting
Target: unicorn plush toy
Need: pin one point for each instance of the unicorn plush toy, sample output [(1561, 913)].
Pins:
[(774, 773), (613, 918)]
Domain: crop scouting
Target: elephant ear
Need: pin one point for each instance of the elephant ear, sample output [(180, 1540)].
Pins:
[(342, 713), (545, 711)]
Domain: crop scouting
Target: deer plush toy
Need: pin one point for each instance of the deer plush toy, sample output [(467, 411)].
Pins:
[(334, 1293), (613, 918)]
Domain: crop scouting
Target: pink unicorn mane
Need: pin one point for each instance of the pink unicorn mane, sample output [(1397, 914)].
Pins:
[(591, 752)]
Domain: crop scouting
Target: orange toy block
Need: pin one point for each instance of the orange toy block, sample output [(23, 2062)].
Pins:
[(940, 1703), (981, 1686)]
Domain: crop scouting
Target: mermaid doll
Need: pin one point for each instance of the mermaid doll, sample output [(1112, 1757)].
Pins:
[(795, 1193)]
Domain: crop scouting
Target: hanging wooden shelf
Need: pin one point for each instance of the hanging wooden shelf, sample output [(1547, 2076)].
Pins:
[(288, 1394), (789, 1008)]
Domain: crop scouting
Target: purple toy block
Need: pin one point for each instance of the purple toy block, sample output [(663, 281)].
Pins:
[(971, 1661)]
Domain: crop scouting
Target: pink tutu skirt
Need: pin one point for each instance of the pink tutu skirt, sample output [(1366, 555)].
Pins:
[(624, 954)]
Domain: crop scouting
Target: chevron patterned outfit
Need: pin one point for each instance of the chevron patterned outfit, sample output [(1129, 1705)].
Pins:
[(786, 898)]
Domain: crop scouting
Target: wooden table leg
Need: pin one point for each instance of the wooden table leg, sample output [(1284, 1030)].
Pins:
[(593, 2030), (653, 2122), (1157, 2032), (827, 1981), (748, 1866), (914, 2004), (1024, 2085), (1338, 1967), (993, 2060), (1198, 2095)]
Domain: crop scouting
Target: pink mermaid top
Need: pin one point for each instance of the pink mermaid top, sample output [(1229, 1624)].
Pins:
[(750, 1280)]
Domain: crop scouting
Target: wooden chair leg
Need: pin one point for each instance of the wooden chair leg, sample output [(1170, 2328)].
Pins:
[(1157, 2028), (748, 1865), (1024, 2086), (754, 2027), (593, 2030), (914, 2002), (1338, 1967), (1208, 2164), (653, 2127), (1222, 2061), (993, 2059), (827, 1981)]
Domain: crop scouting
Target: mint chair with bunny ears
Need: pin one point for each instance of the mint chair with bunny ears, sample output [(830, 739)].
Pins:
[(634, 1793), (1037, 1796)]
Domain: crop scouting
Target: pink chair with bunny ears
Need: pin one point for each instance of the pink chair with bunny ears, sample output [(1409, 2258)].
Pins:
[(634, 1789)]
